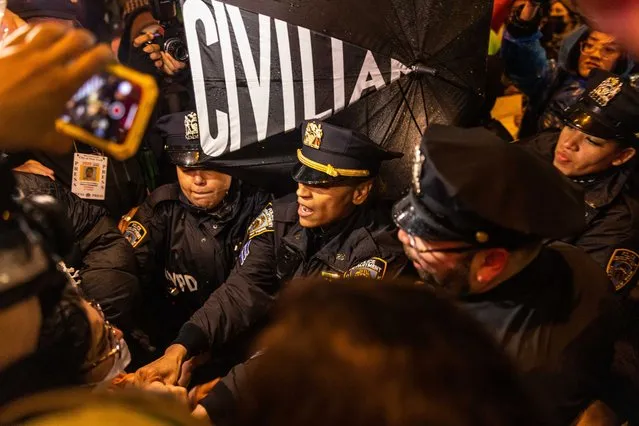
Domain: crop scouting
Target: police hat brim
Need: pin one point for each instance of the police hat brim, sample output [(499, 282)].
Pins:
[(413, 217), (189, 159), (309, 176), (582, 118)]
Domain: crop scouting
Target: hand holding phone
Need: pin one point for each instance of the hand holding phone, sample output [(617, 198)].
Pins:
[(111, 111), (41, 68)]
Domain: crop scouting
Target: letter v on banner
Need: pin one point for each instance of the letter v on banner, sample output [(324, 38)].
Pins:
[(256, 77)]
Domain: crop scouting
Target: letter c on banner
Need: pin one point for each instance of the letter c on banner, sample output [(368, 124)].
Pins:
[(194, 11)]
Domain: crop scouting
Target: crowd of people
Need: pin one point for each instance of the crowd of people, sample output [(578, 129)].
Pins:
[(500, 289)]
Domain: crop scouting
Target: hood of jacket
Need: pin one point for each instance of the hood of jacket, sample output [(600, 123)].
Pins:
[(570, 50)]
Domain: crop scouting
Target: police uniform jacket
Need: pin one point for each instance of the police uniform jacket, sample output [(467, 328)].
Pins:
[(278, 249), (611, 235), (557, 320), (184, 253)]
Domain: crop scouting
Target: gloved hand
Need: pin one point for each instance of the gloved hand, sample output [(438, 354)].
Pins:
[(524, 20)]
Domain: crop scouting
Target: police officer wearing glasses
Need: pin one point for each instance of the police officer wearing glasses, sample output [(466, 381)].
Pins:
[(473, 225), (331, 228), (598, 150)]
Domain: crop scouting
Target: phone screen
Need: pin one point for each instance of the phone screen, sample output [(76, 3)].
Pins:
[(106, 106)]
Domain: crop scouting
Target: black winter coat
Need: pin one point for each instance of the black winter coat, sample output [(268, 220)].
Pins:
[(184, 253), (611, 234), (278, 249), (103, 257)]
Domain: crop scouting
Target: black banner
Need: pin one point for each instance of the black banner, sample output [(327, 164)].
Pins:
[(256, 76)]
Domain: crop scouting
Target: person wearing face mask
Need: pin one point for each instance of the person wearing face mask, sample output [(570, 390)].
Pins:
[(598, 149), (560, 22), (476, 232), (108, 353), (187, 235), (66, 350), (552, 86), (78, 341), (77, 357)]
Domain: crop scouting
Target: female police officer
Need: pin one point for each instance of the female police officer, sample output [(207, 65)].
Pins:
[(187, 235), (329, 228)]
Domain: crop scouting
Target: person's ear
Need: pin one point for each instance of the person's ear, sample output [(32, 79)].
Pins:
[(362, 191), (624, 156), (491, 263)]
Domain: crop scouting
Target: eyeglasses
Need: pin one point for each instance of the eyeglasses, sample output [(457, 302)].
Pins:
[(109, 337), (605, 50), (461, 249), (109, 340)]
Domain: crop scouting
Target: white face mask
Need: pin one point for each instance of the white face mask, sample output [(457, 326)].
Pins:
[(122, 361)]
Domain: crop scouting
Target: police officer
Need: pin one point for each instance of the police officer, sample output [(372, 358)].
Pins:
[(597, 149), (187, 235), (473, 225), (330, 228)]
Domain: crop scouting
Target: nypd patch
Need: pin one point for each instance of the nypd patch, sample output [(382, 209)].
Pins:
[(135, 233), (245, 252), (374, 268), (622, 267), (263, 223)]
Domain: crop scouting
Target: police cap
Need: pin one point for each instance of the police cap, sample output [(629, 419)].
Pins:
[(331, 154), (181, 136), (608, 109), (469, 185)]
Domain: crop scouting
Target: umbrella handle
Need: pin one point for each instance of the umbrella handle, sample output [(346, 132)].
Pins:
[(421, 69)]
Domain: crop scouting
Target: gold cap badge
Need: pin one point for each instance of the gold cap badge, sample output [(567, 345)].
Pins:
[(313, 136), (606, 91), (191, 127)]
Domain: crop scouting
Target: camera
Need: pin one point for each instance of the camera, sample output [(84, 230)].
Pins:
[(173, 40)]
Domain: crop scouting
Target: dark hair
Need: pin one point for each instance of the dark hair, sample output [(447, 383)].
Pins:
[(65, 334), (360, 353), (620, 66)]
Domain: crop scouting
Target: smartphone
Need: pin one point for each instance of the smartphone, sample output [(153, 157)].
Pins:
[(111, 111)]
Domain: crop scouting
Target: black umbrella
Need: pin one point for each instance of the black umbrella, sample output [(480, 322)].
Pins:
[(387, 68)]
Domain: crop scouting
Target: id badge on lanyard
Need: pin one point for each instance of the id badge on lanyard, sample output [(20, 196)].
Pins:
[(89, 176)]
